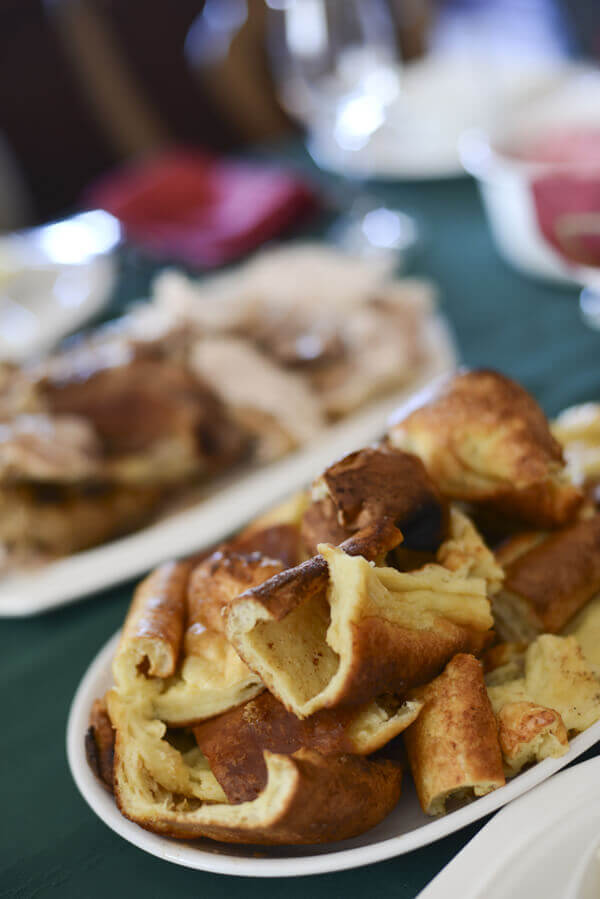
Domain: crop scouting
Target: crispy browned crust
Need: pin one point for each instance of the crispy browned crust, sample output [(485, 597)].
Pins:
[(218, 580), (100, 744), (283, 592), (522, 726), (320, 525), (153, 630), (234, 743), (453, 746), (365, 631), (557, 576), (389, 658), (325, 799), (546, 505), (277, 541), (517, 463), (375, 483)]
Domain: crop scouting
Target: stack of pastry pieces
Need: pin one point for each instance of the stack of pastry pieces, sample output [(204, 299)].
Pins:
[(94, 438), (487, 444), (260, 691)]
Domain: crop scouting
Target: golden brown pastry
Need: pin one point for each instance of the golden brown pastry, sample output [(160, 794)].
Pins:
[(577, 429), (585, 626), (548, 578), (309, 798), (234, 743), (453, 746), (99, 433), (210, 679), (162, 780), (276, 533), (556, 676), (183, 672), (484, 439), (465, 552), (353, 631), (153, 418), (41, 521), (369, 485), (529, 733), (48, 449), (220, 578), (152, 637)]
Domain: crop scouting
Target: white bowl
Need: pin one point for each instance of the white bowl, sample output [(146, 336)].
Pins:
[(405, 829), (505, 181), (585, 883)]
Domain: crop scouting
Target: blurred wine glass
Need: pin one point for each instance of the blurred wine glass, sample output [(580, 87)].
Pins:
[(338, 71)]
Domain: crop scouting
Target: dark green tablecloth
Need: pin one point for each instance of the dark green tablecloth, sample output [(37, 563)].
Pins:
[(52, 844)]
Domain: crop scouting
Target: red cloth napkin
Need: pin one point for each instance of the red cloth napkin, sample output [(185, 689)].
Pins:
[(193, 208), (568, 214)]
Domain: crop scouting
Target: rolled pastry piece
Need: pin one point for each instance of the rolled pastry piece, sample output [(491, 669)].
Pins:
[(371, 484), (529, 733), (217, 580), (308, 798), (210, 680), (357, 631), (152, 636), (453, 747), (547, 580), (484, 439), (186, 675), (557, 676), (234, 743)]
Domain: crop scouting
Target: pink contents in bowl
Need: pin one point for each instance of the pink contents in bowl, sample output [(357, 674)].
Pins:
[(566, 189), (576, 147)]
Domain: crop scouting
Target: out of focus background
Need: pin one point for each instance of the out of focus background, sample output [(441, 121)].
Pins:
[(88, 84), (200, 131)]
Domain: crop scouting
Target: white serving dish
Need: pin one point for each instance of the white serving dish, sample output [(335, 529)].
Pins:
[(585, 881), (405, 829), (230, 503), (505, 181), (534, 846)]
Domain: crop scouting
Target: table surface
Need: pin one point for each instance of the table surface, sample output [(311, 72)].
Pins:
[(52, 843)]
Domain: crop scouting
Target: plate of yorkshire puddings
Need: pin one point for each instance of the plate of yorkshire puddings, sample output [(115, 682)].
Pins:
[(395, 652)]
